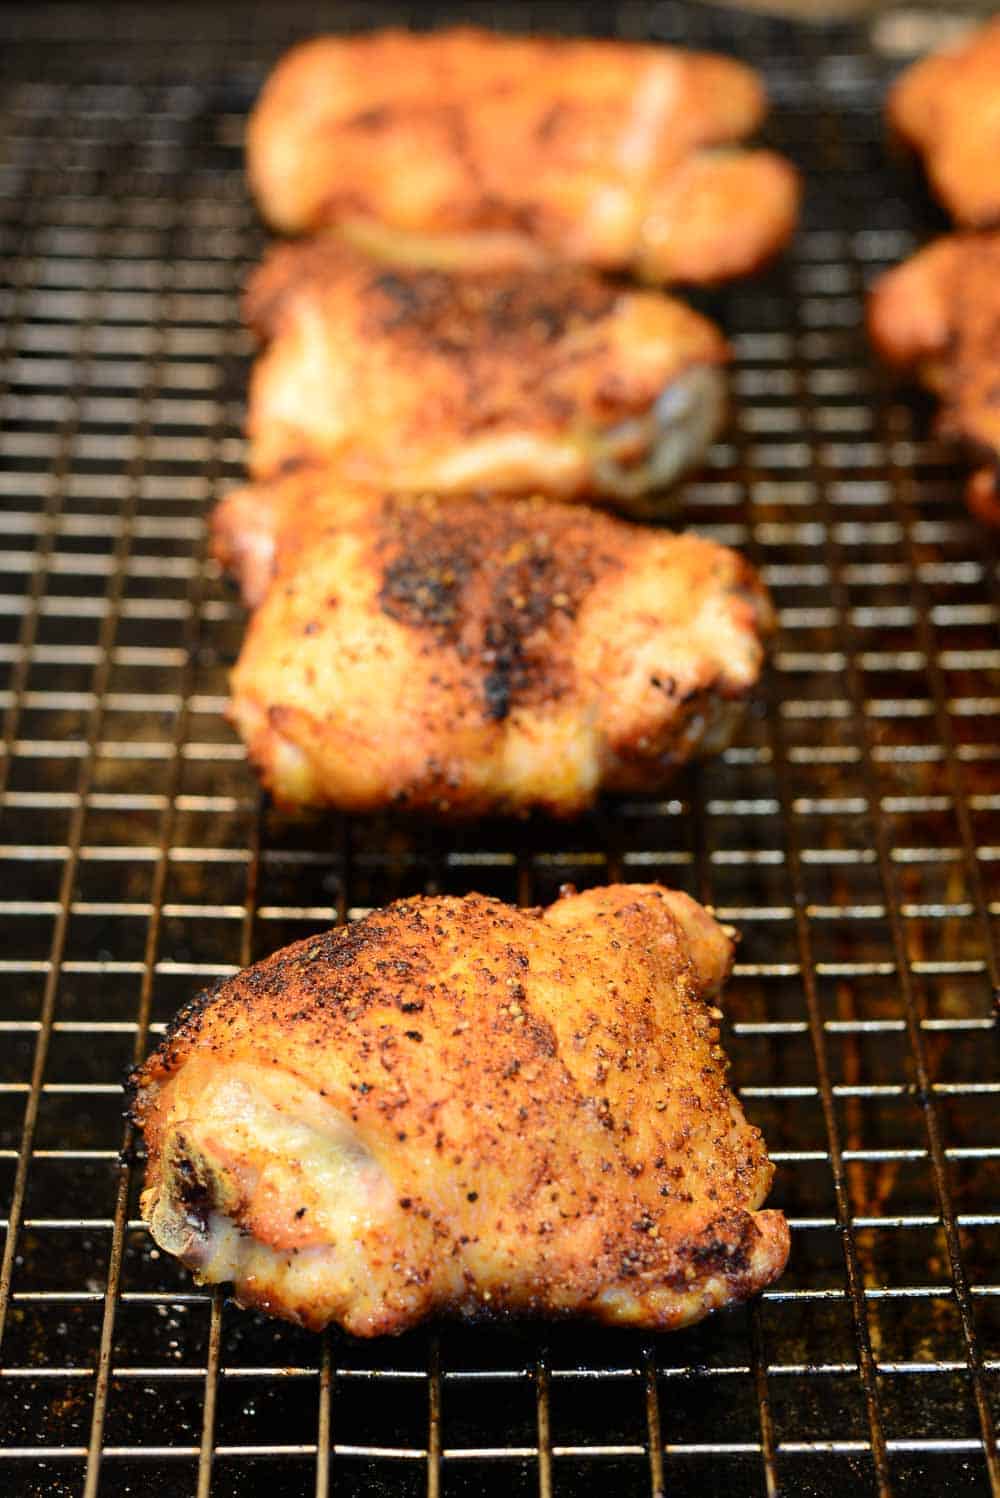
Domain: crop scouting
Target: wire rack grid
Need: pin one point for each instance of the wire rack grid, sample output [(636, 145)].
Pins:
[(852, 832)]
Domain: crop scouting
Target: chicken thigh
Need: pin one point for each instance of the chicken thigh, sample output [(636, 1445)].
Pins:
[(461, 656), (457, 1106), (549, 382), (468, 148), (947, 106), (939, 313)]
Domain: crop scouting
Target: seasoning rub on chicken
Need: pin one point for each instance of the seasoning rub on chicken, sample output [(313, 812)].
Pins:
[(468, 148), (939, 314), (947, 106), (455, 1106), (461, 656), (553, 382)]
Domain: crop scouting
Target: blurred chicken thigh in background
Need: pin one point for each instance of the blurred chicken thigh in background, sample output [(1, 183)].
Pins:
[(939, 314), (469, 148), (947, 106), (553, 382)]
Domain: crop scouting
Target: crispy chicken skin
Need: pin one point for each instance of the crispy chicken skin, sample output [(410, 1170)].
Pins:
[(465, 147), (463, 657), (947, 107), (939, 314), (455, 1106), (550, 382)]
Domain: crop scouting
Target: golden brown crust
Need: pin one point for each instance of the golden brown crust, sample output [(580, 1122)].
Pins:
[(947, 107), (554, 382), (939, 314), (465, 146), (531, 653), (719, 214), (455, 1106)]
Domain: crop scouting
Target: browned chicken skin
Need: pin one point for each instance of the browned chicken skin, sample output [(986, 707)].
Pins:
[(456, 1106), (465, 147), (939, 314), (947, 107), (464, 656), (550, 382)]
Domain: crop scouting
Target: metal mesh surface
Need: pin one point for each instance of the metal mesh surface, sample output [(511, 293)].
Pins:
[(852, 833)]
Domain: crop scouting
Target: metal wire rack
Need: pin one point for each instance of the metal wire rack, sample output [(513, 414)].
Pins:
[(852, 833)]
